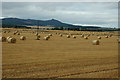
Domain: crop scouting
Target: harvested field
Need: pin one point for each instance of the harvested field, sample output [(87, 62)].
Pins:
[(59, 57)]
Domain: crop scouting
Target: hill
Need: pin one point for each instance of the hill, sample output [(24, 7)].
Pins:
[(32, 22), (58, 25)]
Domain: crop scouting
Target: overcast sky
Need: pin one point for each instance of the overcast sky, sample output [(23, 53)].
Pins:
[(84, 13)]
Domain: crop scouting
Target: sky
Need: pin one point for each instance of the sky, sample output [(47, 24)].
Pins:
[(104, 14)]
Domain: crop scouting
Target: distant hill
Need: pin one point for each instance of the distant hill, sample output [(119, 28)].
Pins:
[(58, 25), (32, 22)]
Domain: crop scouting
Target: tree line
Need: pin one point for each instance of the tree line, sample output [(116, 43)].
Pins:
[(84, 29), (14, 26)]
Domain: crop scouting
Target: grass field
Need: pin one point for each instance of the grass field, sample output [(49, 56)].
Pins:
[(59, 57)]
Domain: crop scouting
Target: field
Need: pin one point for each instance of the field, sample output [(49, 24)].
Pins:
[(59, 57)]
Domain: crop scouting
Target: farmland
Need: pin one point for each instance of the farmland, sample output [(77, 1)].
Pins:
[(59, 57)]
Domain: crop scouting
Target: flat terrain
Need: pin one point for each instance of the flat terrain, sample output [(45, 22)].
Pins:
[(59, 57)]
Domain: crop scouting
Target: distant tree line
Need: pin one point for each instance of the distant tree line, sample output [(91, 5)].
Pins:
[(67, 28), (84, 29), (64, 28), (14, 26)]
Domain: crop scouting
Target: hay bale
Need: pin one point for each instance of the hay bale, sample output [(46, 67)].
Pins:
[(2, 39), (36, 34), (14, 33), (68, 36), (11, 40), (60, 35), (96, 42), (46, 38), (85, 37), (8, 31), (74, 37), (9, 37), (39, 36), (50, 34), (99, 37), (82, 35), (88, 35), (18, 33), (4, 32), (106, 36), (22, 38), (111, 35)]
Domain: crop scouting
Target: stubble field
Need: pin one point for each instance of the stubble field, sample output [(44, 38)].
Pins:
[(59, 57)]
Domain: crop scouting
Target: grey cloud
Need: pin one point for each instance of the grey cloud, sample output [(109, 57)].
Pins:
[(100, 13)]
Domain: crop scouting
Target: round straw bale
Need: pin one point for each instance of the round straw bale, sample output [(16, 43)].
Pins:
[(88, 35), (82, 35), (4, 31), (9, 37), (8, 31), (18, 33), (50, 34), (106, 36), (60, 35), (46, 38), (68, 36), (74, 36), (95, 42), (99, 37), (85, 37), (11, 40), (111, 35), (22, 38), (39, 36), (14, 33), (2, 39)]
